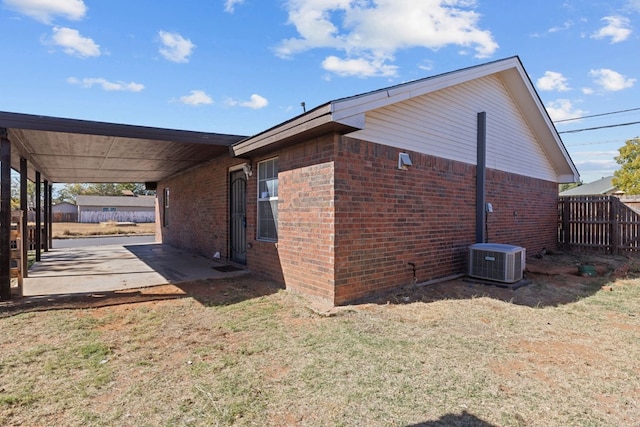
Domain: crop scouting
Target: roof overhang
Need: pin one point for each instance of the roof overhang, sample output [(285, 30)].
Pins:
[(68, 150), (316, 122)]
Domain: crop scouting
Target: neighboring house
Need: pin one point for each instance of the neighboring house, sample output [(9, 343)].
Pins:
[(64, 212), (603, 186), (116, 208), (376, 191)]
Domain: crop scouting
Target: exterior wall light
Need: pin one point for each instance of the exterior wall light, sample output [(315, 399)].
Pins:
[(403, 161), (246, 168)]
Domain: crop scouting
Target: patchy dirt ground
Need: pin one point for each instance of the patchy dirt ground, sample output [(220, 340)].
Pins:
[(552, 280)]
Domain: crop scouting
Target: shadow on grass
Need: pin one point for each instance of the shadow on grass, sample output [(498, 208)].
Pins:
[(552, 281), (463, 420), (208, 292), (221, 292)]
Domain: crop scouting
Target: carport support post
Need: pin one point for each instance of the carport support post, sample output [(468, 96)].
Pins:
[(5, 215), (45, 230), (50, 242), (38, 230), (24, 232)]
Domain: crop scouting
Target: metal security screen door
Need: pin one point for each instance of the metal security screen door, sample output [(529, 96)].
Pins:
[(238, 215)]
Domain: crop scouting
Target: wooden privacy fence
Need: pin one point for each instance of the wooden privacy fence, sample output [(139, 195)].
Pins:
[(597, 224), (65, 217)]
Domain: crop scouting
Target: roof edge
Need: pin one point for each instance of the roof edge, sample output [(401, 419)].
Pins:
[(87, 127), (357, 104), (313, 119)]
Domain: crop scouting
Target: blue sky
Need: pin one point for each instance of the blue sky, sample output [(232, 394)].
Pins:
[(242, 66)]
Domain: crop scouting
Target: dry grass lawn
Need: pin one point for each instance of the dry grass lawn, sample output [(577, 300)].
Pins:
[(65, 230), (563, 351)]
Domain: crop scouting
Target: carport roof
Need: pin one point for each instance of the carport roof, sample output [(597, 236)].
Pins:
[(69, 150)]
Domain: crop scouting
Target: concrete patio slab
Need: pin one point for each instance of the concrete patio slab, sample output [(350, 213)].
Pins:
[(118, 267)]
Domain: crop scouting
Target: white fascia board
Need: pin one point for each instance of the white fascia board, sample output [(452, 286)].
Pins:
[(356, 121), (295, 126), (568, 179), (536, 115)]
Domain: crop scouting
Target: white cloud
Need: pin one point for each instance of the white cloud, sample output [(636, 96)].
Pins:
[(426, 65), (197, 97), (358, 67), (73, 43), (106, 84), (611, 81), (587, 91), (563, 27), (374, 30), (618, 28), (229, 5), (553, 81), (46, 10), (255, 102), (175, 48), (562, 109), (596, 165), (567, 25)]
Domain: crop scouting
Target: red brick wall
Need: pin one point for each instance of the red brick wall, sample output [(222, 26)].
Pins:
[(198, 214), (387, 218), (303, 257), (525, 211), (350, 221)]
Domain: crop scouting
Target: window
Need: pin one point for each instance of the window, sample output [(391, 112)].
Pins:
[(165, 207), (109, 209), (268, 200)]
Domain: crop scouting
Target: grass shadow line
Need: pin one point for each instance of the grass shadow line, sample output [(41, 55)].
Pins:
[(464, 419), (208, 292)]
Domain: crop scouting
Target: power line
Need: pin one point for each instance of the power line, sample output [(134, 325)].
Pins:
[(611, 141), (600, 127), (597, 115)]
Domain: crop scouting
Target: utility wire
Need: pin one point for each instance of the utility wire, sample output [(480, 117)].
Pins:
[(600, 127), (597, 115), (611, 141)]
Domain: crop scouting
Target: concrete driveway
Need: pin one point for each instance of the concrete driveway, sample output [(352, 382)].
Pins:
[(118, 267)]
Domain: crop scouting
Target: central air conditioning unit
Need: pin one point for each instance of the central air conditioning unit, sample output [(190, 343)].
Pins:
[(498, 262)]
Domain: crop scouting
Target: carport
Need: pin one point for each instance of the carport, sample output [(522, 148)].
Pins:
[(93, 269), (49, 150)]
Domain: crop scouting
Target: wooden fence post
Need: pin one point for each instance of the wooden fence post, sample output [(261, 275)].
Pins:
[(613, 223), (566, 212)]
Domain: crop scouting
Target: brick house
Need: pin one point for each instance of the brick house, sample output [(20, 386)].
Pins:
[(375, 191)]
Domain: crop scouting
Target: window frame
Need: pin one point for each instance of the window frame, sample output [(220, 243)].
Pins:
[(271, 183)]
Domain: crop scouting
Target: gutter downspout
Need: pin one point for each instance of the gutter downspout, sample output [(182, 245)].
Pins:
[(481, 214)]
